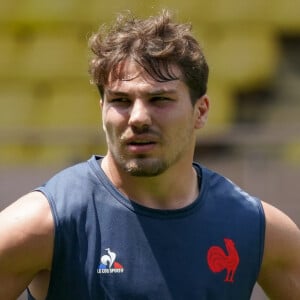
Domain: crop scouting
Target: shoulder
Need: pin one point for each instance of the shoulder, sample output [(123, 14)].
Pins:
[(280, 272), (224, 190), (27, 224), (280, 230), (75, 172), (76, 176), (70, 190), (26, 244)]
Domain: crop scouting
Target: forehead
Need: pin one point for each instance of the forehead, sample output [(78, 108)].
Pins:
[(130, 74)]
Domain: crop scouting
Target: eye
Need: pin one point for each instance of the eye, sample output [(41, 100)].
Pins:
[(160, 99), (119, 101)]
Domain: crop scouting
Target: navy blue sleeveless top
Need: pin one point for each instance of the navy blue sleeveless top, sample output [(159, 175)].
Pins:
[(108, 247)]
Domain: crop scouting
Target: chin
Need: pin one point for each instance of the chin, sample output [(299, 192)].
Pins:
[(142, 167)]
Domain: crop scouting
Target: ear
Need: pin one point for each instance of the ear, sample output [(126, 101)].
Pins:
[(201, 111)]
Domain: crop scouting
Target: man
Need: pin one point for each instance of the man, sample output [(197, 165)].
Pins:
[(145, 222)]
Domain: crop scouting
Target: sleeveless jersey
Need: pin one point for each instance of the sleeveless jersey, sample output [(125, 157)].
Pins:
[(108, 247)]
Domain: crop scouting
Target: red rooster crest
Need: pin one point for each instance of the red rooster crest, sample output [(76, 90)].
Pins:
[(218, 260)]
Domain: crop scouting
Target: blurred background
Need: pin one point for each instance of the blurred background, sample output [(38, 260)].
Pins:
[(49, 116)]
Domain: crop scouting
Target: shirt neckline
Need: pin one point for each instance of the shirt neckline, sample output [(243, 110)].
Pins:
[(94, 163)]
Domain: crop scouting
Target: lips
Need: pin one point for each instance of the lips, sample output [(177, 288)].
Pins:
[(141, 139), (141, 144)]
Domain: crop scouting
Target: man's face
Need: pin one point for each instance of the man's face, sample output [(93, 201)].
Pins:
[(149, 125)]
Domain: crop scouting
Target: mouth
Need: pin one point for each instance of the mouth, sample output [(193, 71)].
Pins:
[(141, 143), (138, 146)]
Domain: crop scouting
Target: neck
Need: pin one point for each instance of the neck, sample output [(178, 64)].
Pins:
[(175, 188)]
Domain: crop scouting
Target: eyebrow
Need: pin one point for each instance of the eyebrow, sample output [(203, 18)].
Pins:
[(152, 93), (162, 91), (115, 93)]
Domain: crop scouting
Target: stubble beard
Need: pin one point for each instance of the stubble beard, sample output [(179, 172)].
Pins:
[(145, 166), (142, 166), (150, 166)]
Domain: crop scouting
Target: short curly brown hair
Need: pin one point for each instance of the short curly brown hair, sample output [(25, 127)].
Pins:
[(155, 43)]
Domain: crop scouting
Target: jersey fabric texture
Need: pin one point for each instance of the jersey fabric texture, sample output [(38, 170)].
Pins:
[(108, 247)]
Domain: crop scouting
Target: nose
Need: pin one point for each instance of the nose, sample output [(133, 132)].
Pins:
[(139, 115)]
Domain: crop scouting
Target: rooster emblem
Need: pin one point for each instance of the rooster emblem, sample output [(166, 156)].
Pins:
[(218, 260)]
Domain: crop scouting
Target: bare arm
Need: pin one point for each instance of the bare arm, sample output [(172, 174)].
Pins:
[(280, 273), (26, 243)]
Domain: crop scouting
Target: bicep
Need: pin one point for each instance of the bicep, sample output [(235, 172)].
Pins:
[(280, 272), (26, 243)]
